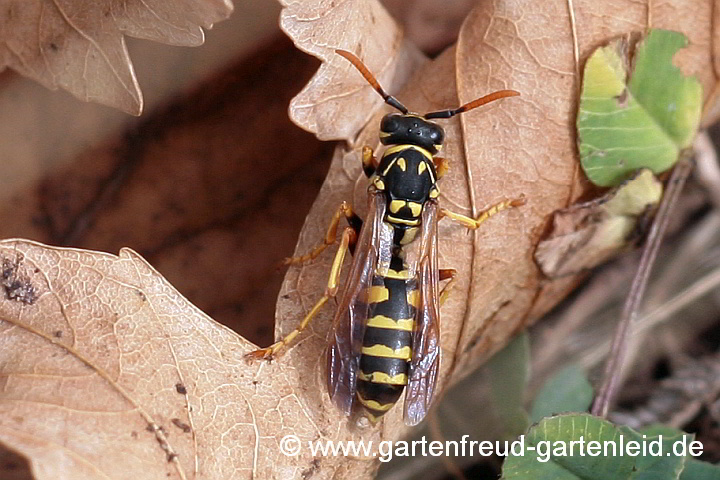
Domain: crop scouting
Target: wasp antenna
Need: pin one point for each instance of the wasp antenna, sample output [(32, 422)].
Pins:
[(474, 104), (357, 63)]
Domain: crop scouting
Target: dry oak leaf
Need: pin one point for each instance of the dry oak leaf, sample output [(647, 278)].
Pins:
[(336, 102), (518, 146), (79, 45), (107, 372)]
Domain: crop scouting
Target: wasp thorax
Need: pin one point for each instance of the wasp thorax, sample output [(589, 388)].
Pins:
[(399, 129)]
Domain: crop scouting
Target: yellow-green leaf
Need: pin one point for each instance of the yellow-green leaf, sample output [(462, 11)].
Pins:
[(630, 120)]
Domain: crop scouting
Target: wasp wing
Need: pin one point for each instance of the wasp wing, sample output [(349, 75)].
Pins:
[(345, 339), (425, 360)]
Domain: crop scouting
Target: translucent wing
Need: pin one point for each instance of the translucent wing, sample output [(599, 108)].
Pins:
[(345, 339), (426, 337)]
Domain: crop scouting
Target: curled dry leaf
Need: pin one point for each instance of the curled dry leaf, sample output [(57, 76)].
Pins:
[(584, 235), (79, 45), (335, 104), (108, 372)]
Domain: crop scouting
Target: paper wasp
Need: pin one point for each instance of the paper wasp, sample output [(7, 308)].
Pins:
[(385, 336)]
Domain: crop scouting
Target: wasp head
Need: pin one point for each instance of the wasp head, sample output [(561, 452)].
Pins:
[(400, 128)]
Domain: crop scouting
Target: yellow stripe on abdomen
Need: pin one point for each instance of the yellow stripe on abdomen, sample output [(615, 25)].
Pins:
[(381, 377), (381, 321), (384, 351), (374, 405), (378, 294)]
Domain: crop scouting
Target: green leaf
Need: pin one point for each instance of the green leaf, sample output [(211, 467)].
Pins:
[(627, 121), (566, 391), (552, 447), (697, 470), (509, 370), (694, 469)]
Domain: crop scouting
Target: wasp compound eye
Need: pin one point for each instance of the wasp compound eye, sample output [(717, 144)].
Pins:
[(390, 123), (437, 136)]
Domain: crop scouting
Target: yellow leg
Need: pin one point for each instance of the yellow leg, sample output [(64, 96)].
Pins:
[(474, 223), (369, 162), (441, 166), (446, 273), (349, 236), (343, 211)]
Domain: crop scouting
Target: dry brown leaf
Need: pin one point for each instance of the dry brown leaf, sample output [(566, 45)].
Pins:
[(220, 237), (586, 234), (121, 377), (517, 146), (79, 45), (335, 103)]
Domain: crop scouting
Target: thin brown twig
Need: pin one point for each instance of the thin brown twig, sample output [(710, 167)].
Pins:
[(712, 96), (662, 313), (612, 374)]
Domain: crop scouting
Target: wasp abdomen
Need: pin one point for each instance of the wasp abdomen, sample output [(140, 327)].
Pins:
[(387, 344)]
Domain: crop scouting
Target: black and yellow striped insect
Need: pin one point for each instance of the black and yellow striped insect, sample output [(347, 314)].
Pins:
[(386, 336)]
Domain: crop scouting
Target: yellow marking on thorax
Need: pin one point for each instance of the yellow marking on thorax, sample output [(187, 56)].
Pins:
[(379, 350), (382, 321), (402, 164), (415, 208), (396, 205), (378, 294), (413, 298), (375, 405), (387, 169), (399, 148), (434, 192), (421, 168), (379, 184), (384, 378), (403, 221)]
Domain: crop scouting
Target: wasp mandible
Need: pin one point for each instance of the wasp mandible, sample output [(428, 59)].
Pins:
[(386, 330)]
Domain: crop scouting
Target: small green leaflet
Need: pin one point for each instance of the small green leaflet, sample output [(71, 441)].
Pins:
[(644, 118), (509, 370), (566, 391), (553, 452)]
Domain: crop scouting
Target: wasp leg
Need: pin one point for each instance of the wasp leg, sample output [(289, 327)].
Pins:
[(441, 166), (331, 235), (369, 162), (473, 223), (447, 273), (349, 237)]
